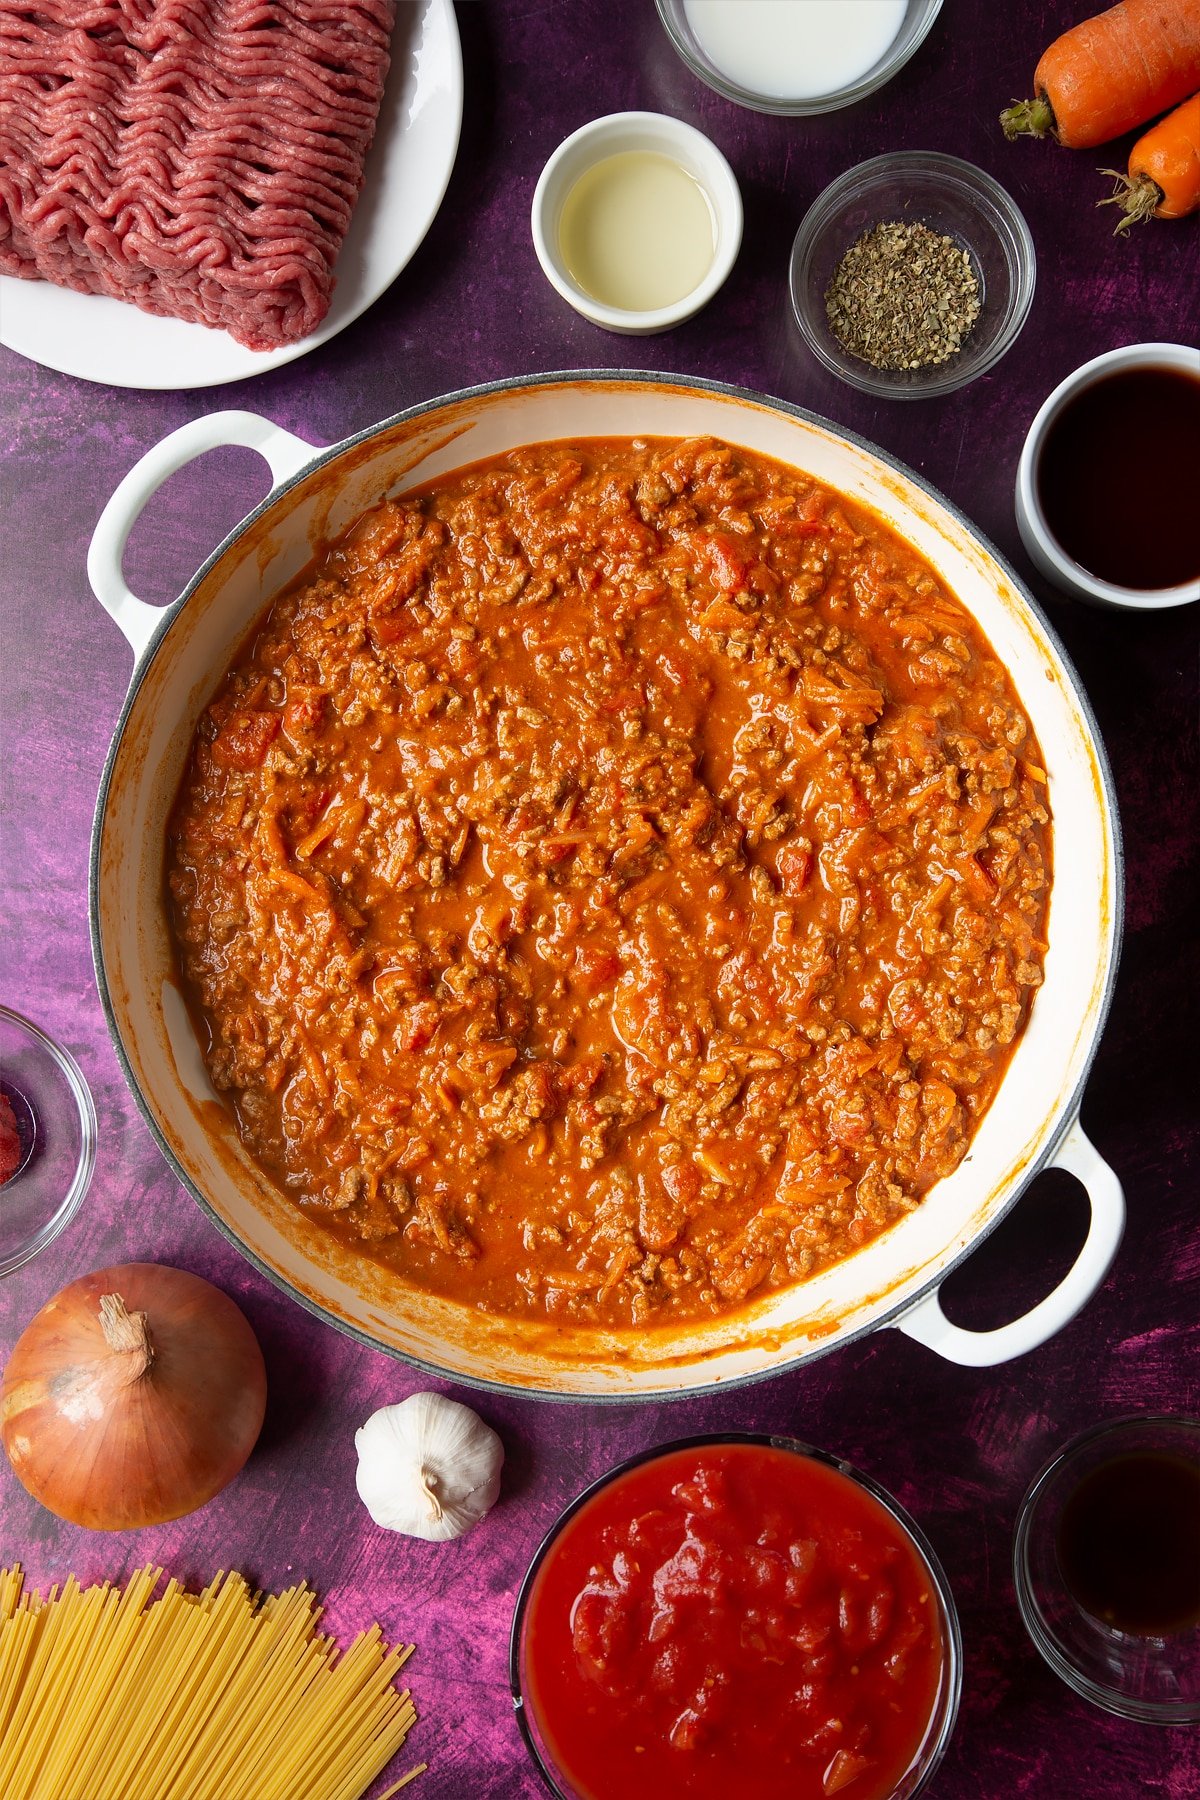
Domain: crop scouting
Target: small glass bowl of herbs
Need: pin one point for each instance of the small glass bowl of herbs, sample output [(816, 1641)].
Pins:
[(912, 274)]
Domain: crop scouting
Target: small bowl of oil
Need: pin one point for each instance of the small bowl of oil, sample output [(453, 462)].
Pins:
[(637, 221)]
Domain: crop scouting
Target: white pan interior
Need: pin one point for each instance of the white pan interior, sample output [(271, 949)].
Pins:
[(136, 963)]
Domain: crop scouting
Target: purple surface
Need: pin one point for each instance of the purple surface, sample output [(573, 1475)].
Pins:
[(957, 1446)]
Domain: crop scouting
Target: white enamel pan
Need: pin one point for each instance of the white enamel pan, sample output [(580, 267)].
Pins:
[(181, 653)]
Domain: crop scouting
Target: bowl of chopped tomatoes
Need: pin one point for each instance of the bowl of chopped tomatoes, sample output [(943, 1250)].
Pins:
[(735, 1614)]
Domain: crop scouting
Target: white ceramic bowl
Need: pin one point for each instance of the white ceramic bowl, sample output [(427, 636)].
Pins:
[(1044, 549), (614, 135), (181, 654)]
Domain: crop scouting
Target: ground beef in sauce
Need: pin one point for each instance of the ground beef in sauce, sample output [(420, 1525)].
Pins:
[(612, 885)]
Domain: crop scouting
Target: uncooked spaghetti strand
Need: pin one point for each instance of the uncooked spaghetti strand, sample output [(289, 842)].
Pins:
[(403, 1781), (200, 1689), (48, 1764), (276, 1655), (148, 1679), (332, 1733), (19, 1749), (17, 1643), (12, 1586), (231, 1615), (116, 1630), (366, 1669), (204, 1648), (128, 1697), (370, 1765), (66, 1647), (169, 1646), (292, 1660), (111, 1694)]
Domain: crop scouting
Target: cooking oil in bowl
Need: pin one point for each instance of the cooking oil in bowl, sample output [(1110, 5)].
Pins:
[(637, 231)]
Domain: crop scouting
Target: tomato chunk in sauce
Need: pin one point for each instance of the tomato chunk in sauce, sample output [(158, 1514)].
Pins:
[(732, 1619), (612, 883)]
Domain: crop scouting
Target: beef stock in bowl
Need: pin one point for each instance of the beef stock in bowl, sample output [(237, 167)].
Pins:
[(182, 654)]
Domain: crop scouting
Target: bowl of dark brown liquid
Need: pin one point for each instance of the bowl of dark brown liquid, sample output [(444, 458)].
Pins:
[(1108, 479), (1106, 1562)]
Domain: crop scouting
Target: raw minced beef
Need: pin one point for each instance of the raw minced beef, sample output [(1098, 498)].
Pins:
[(199, 158)]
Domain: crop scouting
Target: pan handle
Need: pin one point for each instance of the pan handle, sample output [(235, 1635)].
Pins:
[(928, 1324), (284, 454)]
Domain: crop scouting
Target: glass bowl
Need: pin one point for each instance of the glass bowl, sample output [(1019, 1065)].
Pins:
[(944, 1712), (953, 198), (56, 1132), (1150, 1675), (918, 20)]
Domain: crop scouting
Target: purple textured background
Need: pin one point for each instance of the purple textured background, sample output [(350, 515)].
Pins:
[(956, 1446)]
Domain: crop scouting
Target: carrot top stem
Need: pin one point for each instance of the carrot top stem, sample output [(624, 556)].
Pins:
[(1029, 118), (1138, 196)]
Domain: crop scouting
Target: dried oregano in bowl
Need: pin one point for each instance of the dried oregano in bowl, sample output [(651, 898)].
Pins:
[(912, 274), (903, 296)]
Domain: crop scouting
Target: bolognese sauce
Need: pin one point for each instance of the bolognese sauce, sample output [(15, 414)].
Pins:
[(611, 885)]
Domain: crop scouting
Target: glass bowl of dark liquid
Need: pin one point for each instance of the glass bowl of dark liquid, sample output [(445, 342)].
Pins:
[(1107, 1567), (47, 1139)]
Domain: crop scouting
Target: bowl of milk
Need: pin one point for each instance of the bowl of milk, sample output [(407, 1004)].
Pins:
[(796, 56)]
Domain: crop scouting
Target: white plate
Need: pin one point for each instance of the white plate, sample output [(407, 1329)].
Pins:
[(406, 175)]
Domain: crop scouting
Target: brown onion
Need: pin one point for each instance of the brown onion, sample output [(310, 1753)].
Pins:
[(133, 1397)]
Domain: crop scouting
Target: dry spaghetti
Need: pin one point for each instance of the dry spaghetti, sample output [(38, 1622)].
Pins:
[(113, 1694)]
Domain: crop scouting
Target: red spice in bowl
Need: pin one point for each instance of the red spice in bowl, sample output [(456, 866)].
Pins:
[(11, 1153), (738, 1615)]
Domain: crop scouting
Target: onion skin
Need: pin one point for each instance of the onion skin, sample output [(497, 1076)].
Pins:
[(113, 1438)]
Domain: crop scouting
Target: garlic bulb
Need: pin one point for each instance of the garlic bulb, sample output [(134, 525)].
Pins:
[(428, 1467)]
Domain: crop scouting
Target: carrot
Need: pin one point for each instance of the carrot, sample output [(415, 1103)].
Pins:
[(1110, 73), (1164, 170)]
